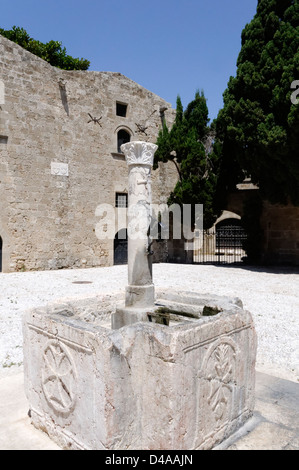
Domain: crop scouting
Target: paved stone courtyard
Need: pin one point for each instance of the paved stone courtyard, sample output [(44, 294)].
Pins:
[(270, 294)]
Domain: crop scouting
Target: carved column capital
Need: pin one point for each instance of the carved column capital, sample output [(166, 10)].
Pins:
[(139, 153)]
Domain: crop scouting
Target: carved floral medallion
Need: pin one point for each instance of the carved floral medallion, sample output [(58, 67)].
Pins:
[(58, 377)]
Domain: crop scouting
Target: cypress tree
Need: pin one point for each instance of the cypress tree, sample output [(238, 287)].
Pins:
[(186, 146), (258, 125)]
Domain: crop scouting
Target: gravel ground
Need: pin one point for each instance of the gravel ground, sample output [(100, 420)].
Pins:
[(270, 294)]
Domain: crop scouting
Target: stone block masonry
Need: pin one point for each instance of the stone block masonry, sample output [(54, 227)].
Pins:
[(59, 158), (146, 386), (281, 234)]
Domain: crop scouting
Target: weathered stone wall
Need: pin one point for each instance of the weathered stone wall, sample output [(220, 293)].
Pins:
[(48, 214), (281, 234)]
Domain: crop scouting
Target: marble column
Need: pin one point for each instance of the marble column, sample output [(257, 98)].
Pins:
[(140, 290)]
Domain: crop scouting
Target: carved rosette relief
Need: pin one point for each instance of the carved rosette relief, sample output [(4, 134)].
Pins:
[(220, 365), (139, 153), (58, 377), (219, 373)]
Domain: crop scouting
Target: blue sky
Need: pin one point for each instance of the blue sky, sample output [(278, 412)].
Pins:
[(170, 47)]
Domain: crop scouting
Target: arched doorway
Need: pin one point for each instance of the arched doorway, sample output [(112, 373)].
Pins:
[(230, 236), (1, 244), (121, 247)]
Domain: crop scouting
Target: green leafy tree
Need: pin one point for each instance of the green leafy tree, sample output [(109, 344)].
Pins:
[(52, 51), (188, 146), (258, 125)]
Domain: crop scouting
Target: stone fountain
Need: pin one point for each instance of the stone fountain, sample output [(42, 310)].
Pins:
[(168, 370)]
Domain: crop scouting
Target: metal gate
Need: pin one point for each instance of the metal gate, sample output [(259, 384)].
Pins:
[(221, 245)]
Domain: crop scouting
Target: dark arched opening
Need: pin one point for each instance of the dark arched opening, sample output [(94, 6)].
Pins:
[(123, 137), (121, 247)]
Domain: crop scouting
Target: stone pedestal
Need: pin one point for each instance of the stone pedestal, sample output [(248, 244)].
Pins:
[(140, 292), (185, 386)]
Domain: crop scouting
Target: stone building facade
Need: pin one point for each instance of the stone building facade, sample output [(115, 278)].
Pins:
[(60, 159)]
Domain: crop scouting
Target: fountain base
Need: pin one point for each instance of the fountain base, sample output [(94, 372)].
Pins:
[(187, 384)]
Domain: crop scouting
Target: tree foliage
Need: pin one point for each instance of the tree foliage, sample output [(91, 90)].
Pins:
[(258, 124), (188, 146), (52, 51)]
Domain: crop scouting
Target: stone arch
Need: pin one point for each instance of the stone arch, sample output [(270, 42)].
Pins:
[(126, 128), (121, 247), (228, 215)]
